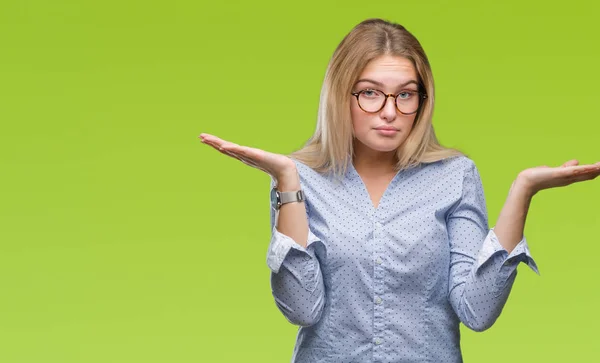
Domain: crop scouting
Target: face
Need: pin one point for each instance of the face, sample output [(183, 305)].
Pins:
[(384, 131)]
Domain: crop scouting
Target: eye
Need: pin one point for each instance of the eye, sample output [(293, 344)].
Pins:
[(406, 94), (370, 93)]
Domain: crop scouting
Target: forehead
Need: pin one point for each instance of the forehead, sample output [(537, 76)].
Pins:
[(390, 70)]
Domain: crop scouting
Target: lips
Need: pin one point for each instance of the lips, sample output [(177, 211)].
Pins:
[(387, 131)]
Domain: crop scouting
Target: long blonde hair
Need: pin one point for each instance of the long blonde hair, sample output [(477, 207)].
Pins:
[(330, 149)]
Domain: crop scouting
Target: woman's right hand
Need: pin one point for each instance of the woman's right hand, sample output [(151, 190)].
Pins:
[(278, 166)]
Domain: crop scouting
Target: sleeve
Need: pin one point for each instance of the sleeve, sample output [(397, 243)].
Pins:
[(482, 272), (296, 279)]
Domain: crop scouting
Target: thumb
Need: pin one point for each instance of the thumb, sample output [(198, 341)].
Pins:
[(570, 163)]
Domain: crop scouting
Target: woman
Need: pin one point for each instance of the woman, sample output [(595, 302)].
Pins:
[(380, 242)]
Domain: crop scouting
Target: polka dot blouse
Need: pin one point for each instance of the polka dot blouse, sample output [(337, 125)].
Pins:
[(392, 283)]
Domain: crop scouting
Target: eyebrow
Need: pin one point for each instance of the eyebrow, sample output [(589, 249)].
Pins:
[(382, 85)]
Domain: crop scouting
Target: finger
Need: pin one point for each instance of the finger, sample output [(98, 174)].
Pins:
[(570, 163), (220, 144), (230, 146), (248, 155), (223, 151), (582, 169), (583, 177), (215, 140), (212, 143), (206, 137)]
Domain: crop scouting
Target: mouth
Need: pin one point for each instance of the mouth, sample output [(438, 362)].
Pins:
[(387, 131)]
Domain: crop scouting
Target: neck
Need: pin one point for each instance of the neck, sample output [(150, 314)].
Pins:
[(374, 163)]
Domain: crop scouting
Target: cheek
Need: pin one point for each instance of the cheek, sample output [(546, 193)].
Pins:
[(359, 119), (410, 122)]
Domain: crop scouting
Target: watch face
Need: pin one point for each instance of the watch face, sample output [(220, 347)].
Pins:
[(274, 199)]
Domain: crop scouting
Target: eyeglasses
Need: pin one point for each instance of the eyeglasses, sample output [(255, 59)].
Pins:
[(372, 100)]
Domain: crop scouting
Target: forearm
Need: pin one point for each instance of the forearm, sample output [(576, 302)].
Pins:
[(298, 288), (510, 225), (296, 279), (482, 278), (292, 220), (479, 311)]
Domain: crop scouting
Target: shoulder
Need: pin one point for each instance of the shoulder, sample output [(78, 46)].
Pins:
[(459, 162), (458, 166), (454, 175)]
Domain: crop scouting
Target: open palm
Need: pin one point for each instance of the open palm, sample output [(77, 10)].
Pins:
[(544, 177), (276, 165)]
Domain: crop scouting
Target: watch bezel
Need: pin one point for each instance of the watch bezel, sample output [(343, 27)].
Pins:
[(275, 199)]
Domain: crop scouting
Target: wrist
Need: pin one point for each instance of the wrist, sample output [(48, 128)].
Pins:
[(288, 180), (523, 187)]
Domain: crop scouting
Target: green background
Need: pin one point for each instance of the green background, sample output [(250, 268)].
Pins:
[(124, 239)]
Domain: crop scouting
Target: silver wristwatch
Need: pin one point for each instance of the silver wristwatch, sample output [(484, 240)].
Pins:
[(280, 198)]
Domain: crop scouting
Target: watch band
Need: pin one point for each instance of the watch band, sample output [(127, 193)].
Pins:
[(289, 197)]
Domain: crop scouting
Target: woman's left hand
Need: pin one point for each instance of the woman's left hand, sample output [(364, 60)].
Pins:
[(545, 177)]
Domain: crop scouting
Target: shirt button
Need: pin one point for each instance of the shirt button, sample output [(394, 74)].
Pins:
[(377, 225), (379, 261), (378, 341), (378, 300)]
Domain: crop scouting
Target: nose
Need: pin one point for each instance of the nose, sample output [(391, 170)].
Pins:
[(389, 111)]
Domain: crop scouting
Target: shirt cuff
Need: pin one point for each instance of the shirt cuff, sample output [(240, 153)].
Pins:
[(492, 247), (280, 246)]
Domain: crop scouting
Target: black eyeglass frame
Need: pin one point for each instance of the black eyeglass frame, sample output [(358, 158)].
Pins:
[(422, 96)]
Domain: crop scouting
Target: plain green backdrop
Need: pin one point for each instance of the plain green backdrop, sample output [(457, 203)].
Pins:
[(124, 239)]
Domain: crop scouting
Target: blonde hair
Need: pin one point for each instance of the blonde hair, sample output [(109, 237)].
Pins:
[(330, 148)]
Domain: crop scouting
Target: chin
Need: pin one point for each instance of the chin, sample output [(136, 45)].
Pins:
[(387, 143), (381, 144), (385, 147), (388, 150)]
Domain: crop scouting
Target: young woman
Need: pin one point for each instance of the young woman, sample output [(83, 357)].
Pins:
[(380, 241)]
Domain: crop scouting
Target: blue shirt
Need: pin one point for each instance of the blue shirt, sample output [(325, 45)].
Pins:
[(392, 283)]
